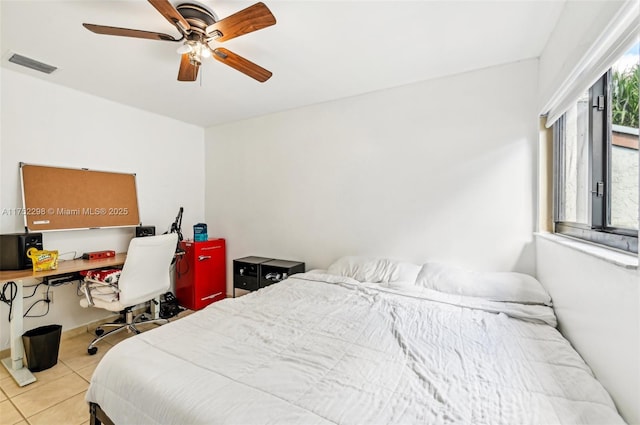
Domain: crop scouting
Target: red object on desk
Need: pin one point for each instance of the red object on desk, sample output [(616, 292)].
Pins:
[(201, 273), (98, 255)]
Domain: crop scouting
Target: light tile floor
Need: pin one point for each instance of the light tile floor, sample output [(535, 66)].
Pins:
[(57, 396)]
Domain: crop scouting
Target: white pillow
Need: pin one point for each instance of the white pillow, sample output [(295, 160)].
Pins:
[(374, 270), (407, 272), (493, 286)]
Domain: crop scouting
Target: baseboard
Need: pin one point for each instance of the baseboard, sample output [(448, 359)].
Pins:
[(89, 327)]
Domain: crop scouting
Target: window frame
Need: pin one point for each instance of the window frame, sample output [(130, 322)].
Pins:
[(598, 229)]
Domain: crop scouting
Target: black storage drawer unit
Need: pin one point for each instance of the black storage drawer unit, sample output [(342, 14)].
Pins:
[(246, 272), (246, 283), (253, 273), (276, 270)]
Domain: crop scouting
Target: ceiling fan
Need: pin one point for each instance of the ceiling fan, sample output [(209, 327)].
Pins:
[(198, 26)]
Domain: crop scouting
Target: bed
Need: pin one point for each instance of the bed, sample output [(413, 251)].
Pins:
[(345, 347)]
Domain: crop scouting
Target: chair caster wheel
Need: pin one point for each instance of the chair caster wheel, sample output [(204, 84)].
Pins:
[(92, 350), (99, 331)]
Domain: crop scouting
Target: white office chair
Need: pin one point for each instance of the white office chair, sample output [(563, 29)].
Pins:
[(144, 276)]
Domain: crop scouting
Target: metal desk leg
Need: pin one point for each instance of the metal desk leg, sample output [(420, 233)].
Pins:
[(155, 308), (21, 374)]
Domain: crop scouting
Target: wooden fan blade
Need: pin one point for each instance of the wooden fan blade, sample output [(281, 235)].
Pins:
[(126, 32), (188, 71), (241, 64), (251, 19), (172, 15)]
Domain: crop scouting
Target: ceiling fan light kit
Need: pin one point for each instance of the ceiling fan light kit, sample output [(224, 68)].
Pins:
[(196, 51), (185, 48), (198, 26)]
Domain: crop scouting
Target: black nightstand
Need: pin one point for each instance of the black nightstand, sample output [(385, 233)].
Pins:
[(276, 270), (253, 273), (246, 273)]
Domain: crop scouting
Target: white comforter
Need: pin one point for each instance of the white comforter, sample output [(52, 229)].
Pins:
[(318, 349)]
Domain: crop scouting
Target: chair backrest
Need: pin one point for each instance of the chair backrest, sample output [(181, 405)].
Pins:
[(145, 273)]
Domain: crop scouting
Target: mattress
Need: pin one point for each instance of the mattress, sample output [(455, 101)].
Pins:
[(323, 349)]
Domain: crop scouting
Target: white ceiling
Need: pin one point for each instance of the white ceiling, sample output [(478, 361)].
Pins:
[(318, 50)]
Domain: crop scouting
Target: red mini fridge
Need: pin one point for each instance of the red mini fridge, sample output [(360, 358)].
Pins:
[(201, 273)]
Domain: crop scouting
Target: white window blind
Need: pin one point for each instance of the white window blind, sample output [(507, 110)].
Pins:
[(617, 38)]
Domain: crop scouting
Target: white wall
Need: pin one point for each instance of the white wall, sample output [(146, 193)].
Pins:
[(597, 303), (47, 124), (438, 169), (598, 308)]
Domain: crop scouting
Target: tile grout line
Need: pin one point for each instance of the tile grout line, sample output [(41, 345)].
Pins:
[(24, 418), (60, 402)]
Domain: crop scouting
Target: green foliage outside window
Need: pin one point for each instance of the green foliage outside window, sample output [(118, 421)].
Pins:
[(625, 96)]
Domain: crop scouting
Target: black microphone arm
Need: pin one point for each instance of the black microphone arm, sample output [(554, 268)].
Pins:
[(176, 226)]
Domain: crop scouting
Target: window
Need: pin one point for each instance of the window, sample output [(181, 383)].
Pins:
[(597, 160)]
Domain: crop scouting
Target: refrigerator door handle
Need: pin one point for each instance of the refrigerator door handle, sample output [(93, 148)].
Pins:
[(204, 257), (211, 296)]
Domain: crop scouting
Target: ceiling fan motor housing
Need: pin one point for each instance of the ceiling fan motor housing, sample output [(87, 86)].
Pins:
[(198, 16)]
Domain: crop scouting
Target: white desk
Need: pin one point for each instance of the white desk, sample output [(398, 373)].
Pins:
[(14, 363)]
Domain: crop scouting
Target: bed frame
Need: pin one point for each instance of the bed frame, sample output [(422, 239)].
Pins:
[(98, 416)]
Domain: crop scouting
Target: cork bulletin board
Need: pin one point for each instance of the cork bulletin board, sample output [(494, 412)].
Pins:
[(57, 198)]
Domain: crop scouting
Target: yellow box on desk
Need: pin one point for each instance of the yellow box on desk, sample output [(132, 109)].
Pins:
[(42, 259)]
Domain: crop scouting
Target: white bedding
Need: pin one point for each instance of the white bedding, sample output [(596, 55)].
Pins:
[(320, 349)]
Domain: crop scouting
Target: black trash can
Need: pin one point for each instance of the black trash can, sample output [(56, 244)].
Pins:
[(41, 347)]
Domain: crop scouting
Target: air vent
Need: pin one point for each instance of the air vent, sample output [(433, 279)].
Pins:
[(32, 63)]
